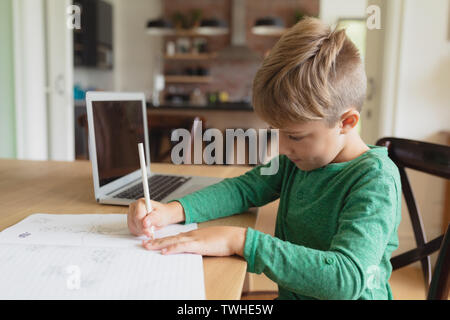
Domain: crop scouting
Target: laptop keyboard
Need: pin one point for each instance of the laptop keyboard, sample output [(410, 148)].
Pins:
[(160, 186)]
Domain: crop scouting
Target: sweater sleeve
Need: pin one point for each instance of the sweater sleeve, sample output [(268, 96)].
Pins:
[(235, 195), (366, 223)]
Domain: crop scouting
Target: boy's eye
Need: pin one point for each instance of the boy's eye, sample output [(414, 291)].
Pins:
[(295, 138)]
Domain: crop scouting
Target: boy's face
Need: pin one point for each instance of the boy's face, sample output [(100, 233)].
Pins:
[(310, 145)]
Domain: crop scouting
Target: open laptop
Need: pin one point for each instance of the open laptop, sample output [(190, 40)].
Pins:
[(117, 123)]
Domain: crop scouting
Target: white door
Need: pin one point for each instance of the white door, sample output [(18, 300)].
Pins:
[(381, 62), (30, 79), (43, 71), (59, 48)]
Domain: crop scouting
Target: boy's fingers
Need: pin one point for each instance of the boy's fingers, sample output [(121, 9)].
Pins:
[(164, 242), (149, 220), (154, 203), (140, 209), (152, 219), (158, 244), (132, 226), (147, 233), (188, 247)]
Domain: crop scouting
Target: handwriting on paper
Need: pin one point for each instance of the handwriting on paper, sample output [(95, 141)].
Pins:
[(24, 235)]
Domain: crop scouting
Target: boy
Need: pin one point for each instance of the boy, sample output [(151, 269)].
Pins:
[(339, 198)]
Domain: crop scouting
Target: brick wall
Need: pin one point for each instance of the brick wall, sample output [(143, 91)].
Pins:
[(234, 77)]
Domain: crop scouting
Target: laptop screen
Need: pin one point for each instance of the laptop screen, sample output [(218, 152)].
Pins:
[(118, 127)]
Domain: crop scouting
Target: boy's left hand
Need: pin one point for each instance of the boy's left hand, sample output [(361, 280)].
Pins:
[(210, 241)]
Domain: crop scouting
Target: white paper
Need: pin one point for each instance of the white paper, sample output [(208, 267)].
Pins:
[(81, 230), (92, 256)]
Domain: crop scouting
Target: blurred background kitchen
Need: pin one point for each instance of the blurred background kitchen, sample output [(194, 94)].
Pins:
[(193, 59), (196, 59)]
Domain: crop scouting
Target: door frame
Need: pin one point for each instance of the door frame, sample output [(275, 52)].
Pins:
[(60, 69), (30, 80), (385, 45), (43, 55)]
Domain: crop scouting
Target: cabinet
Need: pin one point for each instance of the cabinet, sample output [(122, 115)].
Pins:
[(93, 43)]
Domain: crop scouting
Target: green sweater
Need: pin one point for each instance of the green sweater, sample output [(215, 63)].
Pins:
[(335, 231)]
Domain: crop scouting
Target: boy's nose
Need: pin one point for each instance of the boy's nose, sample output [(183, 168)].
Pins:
[(283, 147)]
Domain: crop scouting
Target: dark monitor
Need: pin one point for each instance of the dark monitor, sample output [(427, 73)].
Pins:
[(119, 127)]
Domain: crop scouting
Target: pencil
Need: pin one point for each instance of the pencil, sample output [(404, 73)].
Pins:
[(145, 184)]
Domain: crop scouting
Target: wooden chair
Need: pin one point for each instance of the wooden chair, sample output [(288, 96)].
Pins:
[(440, 282), (433, 159)]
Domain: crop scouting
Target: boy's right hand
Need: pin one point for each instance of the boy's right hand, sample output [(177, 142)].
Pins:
[(139, 222)]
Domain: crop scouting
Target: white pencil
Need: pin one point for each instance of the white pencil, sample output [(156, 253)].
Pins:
[(145, 184)]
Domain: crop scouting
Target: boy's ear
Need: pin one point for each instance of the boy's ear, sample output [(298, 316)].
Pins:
[(349, 120)]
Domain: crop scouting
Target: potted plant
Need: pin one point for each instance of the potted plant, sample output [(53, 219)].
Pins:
[(298, 15), (179, 20), (196, 17)]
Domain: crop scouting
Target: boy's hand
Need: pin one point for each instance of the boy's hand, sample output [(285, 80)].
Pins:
[(211, 241), (139, 223)]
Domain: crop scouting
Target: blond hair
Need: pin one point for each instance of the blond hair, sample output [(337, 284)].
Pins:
[(311, 73)]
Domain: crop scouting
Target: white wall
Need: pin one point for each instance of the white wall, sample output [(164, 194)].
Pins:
[(423, 100), (135, 51), (332, 10), (423, 105), (7, 105)]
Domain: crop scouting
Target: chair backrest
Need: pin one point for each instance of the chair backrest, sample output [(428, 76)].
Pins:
[(440, 283), (422, 156), (426, 157)]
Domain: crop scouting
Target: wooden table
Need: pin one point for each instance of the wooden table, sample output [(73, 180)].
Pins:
[(28, 187)]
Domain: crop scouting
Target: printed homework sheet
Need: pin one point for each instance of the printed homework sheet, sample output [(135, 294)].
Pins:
[(92, 256)]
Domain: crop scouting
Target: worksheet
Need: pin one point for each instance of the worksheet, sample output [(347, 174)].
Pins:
[(92, 256)]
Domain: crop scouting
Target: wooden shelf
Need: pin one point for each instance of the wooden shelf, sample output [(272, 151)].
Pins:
[(188, 79), (194, 33), (191, 56), (271, 33)]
